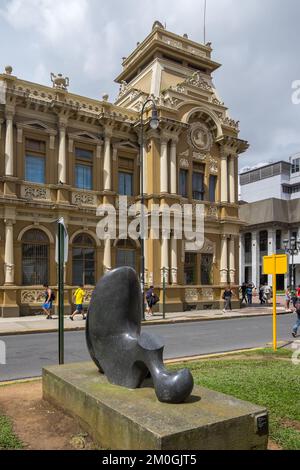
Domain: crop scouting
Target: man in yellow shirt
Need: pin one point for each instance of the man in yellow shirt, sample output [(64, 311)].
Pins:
[(79, 295)]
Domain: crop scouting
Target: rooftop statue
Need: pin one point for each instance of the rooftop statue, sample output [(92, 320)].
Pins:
[(59, 81), (117, 346)]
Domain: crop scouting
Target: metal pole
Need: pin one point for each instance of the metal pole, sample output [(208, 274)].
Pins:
[(293, 280), (274, 307), (61, 293), (164, 293), (142, 217)]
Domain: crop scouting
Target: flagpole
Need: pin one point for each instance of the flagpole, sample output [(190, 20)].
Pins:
[(204, 21)]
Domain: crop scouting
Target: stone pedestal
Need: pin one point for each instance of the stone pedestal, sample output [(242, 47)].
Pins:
[(122, 419)]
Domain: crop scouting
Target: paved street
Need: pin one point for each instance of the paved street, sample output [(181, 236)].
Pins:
[(26, 355)]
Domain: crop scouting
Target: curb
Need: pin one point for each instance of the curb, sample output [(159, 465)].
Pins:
[(145, 323), (185, 359)]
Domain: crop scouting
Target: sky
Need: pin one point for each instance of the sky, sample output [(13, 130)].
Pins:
[(257, 41)]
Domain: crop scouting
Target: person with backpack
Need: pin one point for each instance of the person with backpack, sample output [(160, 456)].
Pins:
[(79, 295), (297, 325), (152, 299), (49, 299), (227, 296)]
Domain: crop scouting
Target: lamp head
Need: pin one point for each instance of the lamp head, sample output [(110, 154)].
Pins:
[(154, 122)]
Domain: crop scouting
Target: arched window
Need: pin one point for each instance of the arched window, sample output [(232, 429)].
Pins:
[(35, 258), (126, 254), (83, 260)]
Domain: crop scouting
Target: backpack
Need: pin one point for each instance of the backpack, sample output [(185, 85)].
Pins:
[(53, 297)]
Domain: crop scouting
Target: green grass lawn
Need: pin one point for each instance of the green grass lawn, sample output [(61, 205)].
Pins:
[(264, 378), (8, 440)]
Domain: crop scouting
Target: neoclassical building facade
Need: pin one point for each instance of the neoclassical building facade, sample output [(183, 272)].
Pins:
[(62, 155)]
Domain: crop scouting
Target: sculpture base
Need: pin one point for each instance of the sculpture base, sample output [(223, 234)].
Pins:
[(121, 419)]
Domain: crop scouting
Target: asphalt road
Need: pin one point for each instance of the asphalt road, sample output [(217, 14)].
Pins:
[(27, 354)]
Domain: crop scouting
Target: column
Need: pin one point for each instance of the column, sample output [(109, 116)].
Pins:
[(164, 165), (231, 172), (242, 258), (173, 169), (107, 256), (232, 270), (9, 253), (224, 178), (224, 260), (62, 163), (9, 145), (107, 164), (174, 261), (145, 172), (164, 258), (255, 259)]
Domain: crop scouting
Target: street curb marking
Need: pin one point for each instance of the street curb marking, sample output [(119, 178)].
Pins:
[(20, 381), (144, 323), (178, 360)]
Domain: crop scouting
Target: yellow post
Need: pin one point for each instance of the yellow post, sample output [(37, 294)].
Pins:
[(274, 307)]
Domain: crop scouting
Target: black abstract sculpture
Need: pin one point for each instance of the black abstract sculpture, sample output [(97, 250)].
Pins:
[(117, 346)]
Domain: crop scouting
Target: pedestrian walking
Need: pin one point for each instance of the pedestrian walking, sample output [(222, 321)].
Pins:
[(227, 297), (250, 288), (261, 295), (152, 299), (79, 295), (297, 325), (244, 293), (49, 299)]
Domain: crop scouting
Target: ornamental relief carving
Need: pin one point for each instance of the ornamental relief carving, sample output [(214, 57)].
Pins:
[(199, 137), (84, 199), (184, 163), (207, 294), (32, 296), (32, 192), (191, 295)]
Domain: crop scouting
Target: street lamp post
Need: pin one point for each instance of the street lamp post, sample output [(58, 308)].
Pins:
[(154, 123), (292, 247)]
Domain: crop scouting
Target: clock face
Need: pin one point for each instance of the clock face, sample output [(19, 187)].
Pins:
[(200, 137)]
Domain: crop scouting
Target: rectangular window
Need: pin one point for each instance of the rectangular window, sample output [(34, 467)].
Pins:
[(190, 269), (296, 166), (206, 270), (125, 184), (35, 169), (183, 183), (198, 186), (212, 188), (35, 161), (84, 169)]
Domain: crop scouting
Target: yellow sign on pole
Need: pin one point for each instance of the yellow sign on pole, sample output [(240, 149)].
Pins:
[(273, 265)]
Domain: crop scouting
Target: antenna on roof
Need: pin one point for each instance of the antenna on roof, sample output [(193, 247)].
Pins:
[(165, 25), (204, 21)]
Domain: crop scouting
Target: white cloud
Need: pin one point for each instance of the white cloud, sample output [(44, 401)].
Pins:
[(85, 39)]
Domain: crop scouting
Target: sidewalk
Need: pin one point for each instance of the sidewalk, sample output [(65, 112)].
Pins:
[(39, 324)]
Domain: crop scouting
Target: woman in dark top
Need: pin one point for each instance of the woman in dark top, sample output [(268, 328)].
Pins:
[(227, 296)]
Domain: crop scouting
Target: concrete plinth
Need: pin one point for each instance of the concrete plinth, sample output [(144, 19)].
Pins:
[(122, 419)]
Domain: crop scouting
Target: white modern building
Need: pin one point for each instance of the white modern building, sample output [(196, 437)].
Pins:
[(270, 210)]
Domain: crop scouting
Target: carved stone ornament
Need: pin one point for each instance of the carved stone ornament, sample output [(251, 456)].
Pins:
[(184, 163), (200, 137), (191, 295), (198, 81), (84, 199), (32, 296), (213, 165), (31, 192), (207, 294), (60, 82)]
